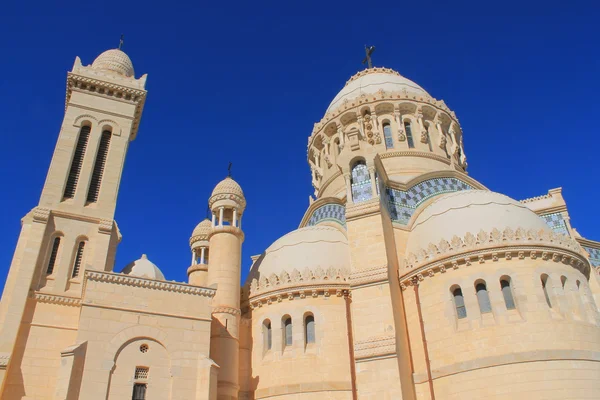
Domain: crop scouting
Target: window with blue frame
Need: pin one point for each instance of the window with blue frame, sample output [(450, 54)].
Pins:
[(361, 182)]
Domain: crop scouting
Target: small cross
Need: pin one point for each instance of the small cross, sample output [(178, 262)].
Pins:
[(368, 51), (121, 41), (229, 169)]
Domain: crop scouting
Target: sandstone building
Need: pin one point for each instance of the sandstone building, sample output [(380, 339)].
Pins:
[(406, 278)]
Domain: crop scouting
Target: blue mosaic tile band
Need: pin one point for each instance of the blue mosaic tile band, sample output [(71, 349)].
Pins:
[(361, 183), (328, 212), (556, 222), (402, 204), (594, 255)]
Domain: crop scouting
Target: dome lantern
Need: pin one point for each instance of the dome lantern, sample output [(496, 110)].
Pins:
[(227, 203)]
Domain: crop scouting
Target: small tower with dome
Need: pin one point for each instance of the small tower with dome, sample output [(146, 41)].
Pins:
[(198, 271), (227, 204)]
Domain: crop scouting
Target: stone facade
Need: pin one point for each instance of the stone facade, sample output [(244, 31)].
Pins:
[(406, 279)]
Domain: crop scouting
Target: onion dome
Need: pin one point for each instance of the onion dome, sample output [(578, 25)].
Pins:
[(227, 193), (201, 231), (143, 268), (114, 60), (373, 80)]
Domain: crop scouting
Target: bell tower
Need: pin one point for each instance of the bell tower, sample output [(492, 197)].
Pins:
[(227, 203), (72, 229)]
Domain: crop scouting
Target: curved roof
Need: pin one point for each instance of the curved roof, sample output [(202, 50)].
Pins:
[(114, 60), (372, 80), (143, 268), (203, 228), (471, 211), (311, 247), (228, 186)]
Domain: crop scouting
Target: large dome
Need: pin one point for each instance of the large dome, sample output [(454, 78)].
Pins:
[(469, 211), (372, 80), (114, 60), (143, 268), (311, 247)]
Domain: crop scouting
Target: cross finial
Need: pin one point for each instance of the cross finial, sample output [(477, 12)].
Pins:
[(229, 169), (121, 41), (368, 51)]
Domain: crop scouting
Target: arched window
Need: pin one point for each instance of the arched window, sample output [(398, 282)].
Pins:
[(361, 182), (459, 303), (78, 259), (98, 170), (267, 335), (75, 170), (140, 384), (483, 298), (387, 134), (53, 254), (509, 301), (287, 331), (409, 135), (309, 329), (544, 279)]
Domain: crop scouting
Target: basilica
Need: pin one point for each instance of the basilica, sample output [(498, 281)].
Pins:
[(406, 278)]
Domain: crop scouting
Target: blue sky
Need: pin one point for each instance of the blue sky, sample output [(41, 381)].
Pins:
[(246, 81)]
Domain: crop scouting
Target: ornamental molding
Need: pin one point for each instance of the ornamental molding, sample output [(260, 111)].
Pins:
[(199, 238), (226, 310), (41, 214), (382, 95), (4, 360), (56, 299), (493, 246), (226, 229), (362, 209), (227, 196), (414, 153), (536, 198), (375, 347), (105, 226), (370, 275), (293, 284), (109, 90), (298, 292), (197, 267), (121, 279)]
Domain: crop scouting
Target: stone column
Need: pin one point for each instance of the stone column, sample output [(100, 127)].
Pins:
[(373, 182)]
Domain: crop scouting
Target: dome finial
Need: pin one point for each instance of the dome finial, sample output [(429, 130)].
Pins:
[(229, 169), (368, 51), (121, 42)]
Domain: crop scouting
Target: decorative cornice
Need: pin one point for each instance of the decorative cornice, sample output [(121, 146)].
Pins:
[(532, 199), (329, 180), (56, 299), (120, 279), (493, 239), (197, 267), (4, 360), (105, 226), (373, 70), (41, 214), (226, 310), (415, 153), (114, 91), (376, 346), (362, 209), (492, 247), (368, 276), (300, 292), (227, 229)]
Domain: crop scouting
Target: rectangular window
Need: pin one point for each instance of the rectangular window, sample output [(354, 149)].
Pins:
[(139, 391), (409, 136)]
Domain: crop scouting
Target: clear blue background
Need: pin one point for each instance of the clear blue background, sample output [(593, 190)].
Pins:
[(245, 82)]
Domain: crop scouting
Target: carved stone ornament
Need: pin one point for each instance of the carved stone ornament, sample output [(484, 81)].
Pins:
[(491, 246), (41, 214)]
